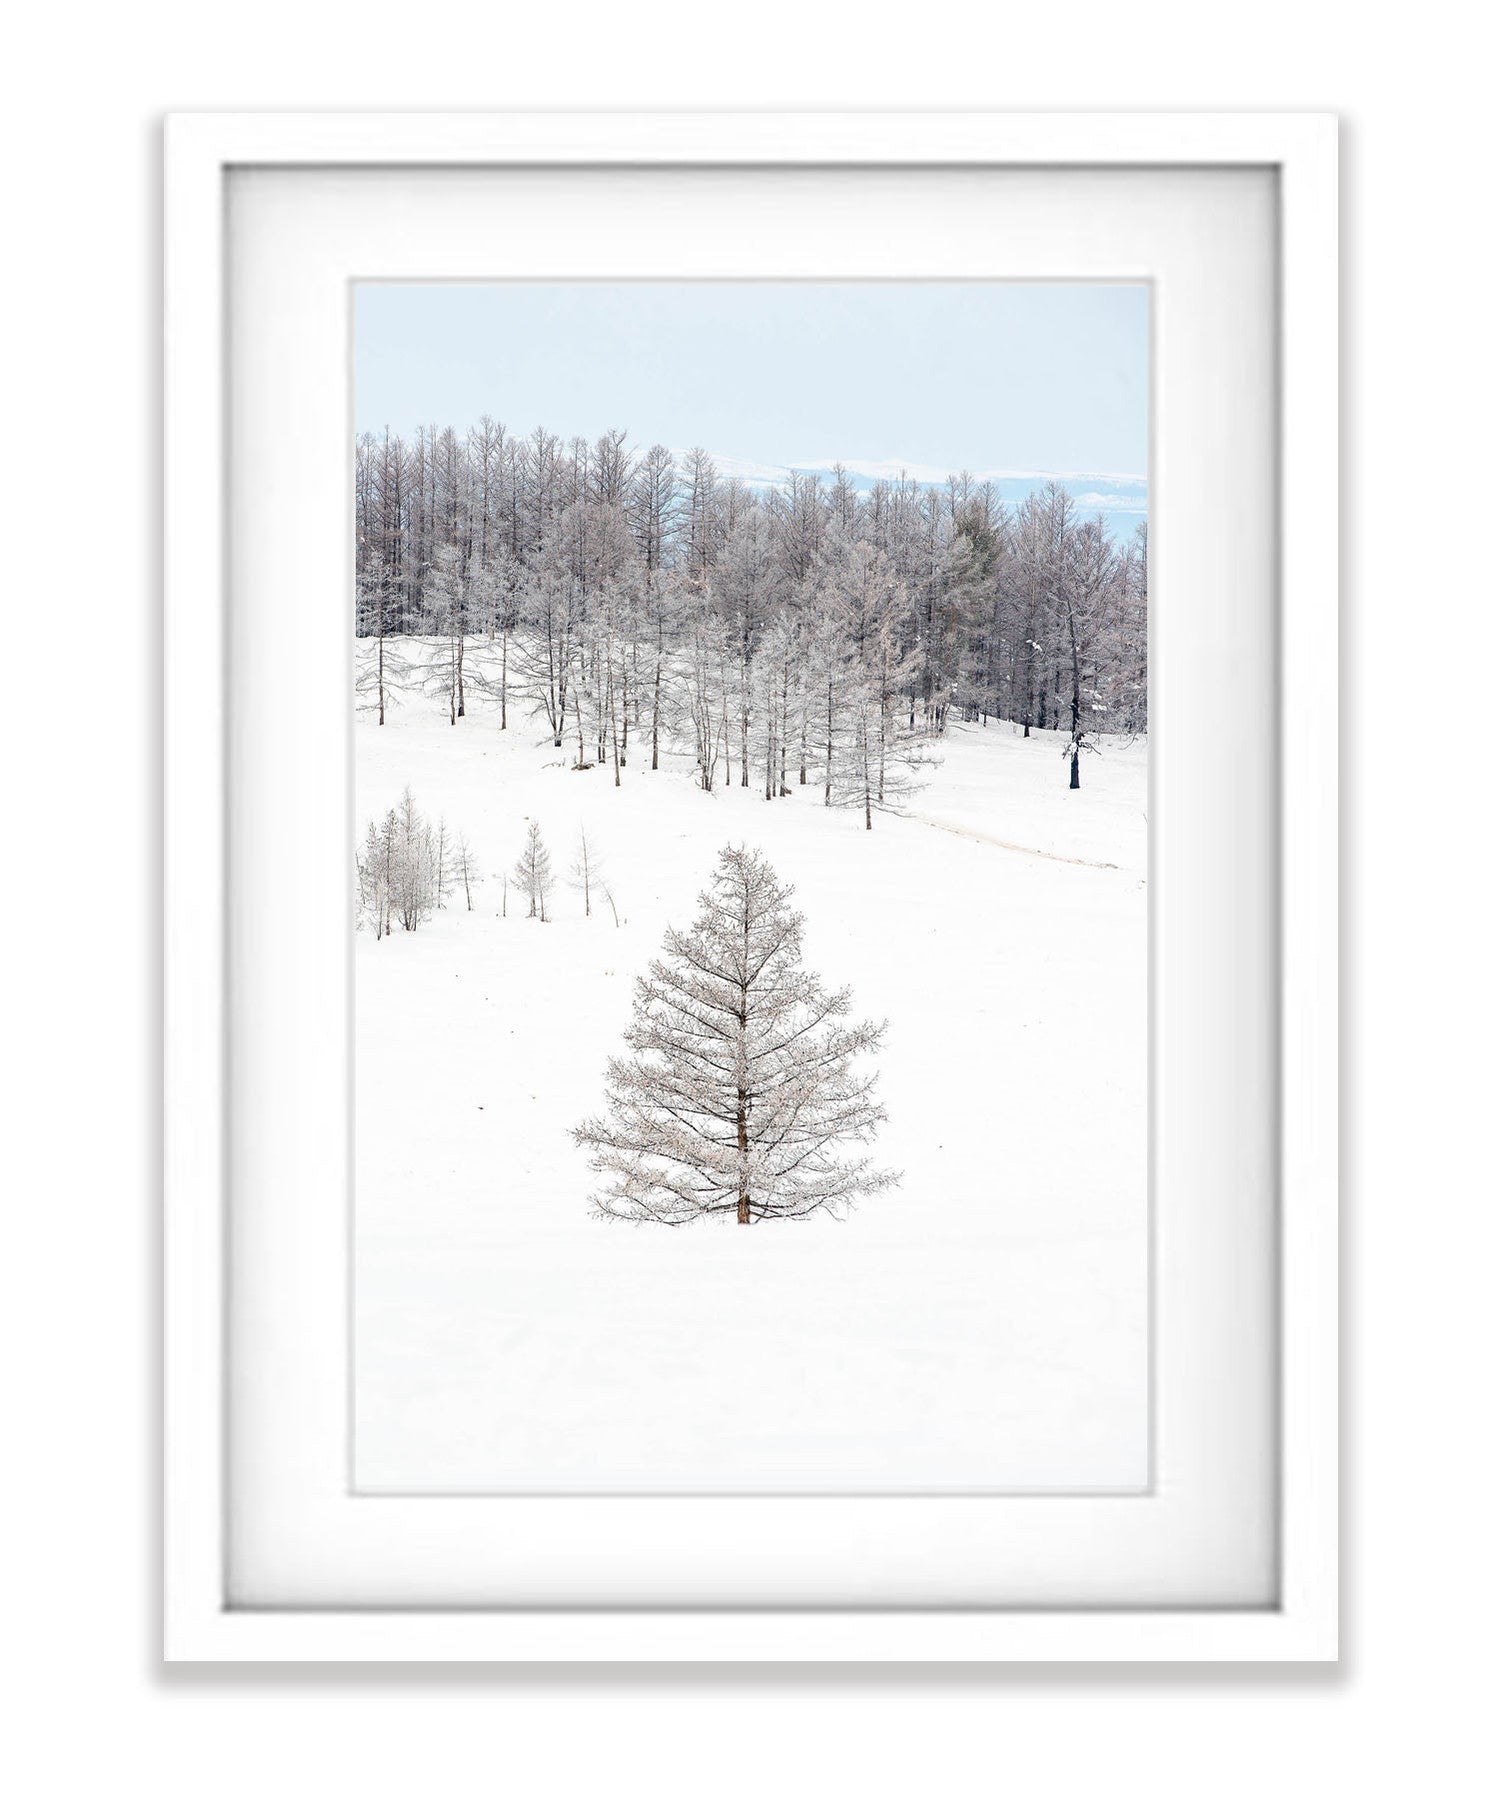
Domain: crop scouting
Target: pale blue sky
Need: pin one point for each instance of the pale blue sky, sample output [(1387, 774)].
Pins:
[(999, 378)]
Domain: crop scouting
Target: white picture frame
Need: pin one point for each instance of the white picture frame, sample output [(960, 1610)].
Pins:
[(201, 1622)]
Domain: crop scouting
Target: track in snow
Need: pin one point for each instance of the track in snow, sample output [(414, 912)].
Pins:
[(1020, 849)]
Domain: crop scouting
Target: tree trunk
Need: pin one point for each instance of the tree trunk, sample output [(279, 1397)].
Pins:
[(656, 707), (743, 1122), (561, 723), (785, 722), (1077, 693), (827, 782)]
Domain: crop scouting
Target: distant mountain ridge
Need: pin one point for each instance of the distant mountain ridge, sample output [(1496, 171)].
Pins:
[(1121, 498)]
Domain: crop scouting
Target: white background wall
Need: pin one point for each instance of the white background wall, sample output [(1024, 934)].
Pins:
[(88, 1709)]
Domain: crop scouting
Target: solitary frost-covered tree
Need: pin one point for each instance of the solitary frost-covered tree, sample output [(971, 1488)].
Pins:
[(533, 873), (466, 869), (587, 871), (740, 1095)]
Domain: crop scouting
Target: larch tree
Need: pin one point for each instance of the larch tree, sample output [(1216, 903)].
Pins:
[(653, 516), (872, 750), (533, 873), (467, 870), (740, 1097), (448, 596), (373, 870), (745, 590), (587, 872)]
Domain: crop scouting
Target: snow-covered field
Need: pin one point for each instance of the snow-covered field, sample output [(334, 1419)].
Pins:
[(982, 1326)]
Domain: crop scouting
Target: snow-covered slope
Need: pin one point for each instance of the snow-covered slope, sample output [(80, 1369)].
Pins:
[(982, 1326)]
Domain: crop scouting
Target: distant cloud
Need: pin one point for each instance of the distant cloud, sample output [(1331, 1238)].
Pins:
[(1111, 502)]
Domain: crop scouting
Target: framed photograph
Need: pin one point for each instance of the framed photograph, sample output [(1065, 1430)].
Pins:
[(751, 878)]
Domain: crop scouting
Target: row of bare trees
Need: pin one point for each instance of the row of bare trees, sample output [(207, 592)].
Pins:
[(813, 635), (410, 866)]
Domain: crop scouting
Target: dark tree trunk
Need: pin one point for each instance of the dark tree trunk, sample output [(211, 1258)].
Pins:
[(743, 1122), (624, 720), (827, 782), (656, 708), (1077, 695)]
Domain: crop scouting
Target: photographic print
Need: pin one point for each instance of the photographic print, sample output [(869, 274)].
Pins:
[(750, 887)]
